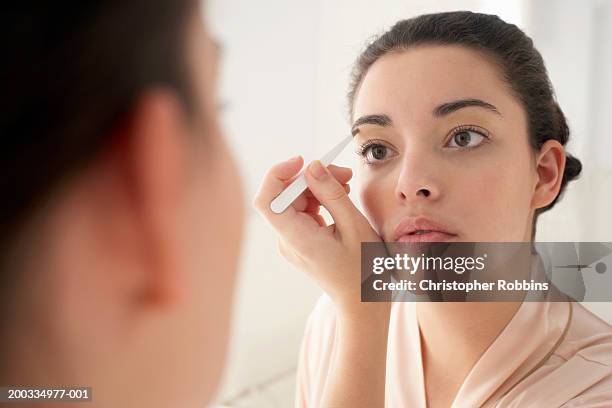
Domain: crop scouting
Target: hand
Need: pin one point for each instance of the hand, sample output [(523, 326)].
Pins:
[(331, 254)]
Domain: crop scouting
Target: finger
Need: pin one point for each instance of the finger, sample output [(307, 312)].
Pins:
[(275, 181), (314, 209), (302, 202), (320, 220), (282, 170), (306, 202), (309, 194), (342, 174), (313, 206), (331, 194), (304, 199)]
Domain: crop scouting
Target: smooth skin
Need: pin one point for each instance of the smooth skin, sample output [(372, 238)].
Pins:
[(484, 190), (330, 254)]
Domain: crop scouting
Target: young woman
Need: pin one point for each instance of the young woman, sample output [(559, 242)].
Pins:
[(462, 139), (117, 263)]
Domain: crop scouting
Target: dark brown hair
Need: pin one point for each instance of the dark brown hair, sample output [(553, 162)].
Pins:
[(71, 71), (513, 51)]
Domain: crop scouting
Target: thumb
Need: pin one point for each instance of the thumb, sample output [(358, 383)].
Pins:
[(330, 193)]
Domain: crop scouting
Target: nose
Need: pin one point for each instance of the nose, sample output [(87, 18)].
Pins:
[(417, 181)]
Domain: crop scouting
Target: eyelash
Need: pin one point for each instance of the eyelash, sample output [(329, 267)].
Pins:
[(472, 128), (363, 148)]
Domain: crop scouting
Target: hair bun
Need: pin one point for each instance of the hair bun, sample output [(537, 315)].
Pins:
[(573, 167)]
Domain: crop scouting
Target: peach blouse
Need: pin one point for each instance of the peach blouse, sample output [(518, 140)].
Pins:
[(551, 354)]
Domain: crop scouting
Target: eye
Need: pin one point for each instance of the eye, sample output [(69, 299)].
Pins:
[(375, 153), (466, 138)]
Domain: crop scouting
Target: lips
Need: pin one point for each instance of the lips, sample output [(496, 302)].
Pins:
[(422, 229)]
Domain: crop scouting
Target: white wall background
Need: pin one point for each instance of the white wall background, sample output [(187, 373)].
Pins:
[(286, 66)]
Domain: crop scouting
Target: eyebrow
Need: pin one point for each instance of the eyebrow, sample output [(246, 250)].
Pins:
[(441, 110), (379, 120), (450, 107)]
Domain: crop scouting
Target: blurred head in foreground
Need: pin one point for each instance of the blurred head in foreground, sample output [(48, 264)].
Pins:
[(122, 209)]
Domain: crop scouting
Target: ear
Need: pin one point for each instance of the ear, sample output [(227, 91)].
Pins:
[(550, 164), (151, 154)]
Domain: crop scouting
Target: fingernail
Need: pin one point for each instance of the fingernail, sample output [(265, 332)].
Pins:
[(294, 158), (317, 170)]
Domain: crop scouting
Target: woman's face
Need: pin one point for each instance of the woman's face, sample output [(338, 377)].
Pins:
[(449, 142)]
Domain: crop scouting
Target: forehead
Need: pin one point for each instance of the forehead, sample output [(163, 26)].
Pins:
[(411, 83)]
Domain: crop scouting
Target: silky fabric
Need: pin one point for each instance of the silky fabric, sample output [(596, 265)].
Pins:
[(550, 354)]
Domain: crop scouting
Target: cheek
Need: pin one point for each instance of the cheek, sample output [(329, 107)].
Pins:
[(219, 211), (377, 197), (215, 230), (493, 201)]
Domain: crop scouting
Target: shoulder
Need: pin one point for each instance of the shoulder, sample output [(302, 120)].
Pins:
[(589, 338), (579, 371), (320, 333), (322, 319), (316, 353), (586, 356)]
